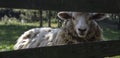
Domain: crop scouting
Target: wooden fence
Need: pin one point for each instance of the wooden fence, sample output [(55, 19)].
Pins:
[(84, 50)]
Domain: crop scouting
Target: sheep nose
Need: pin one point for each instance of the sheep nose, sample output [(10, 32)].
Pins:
[(82, 30)]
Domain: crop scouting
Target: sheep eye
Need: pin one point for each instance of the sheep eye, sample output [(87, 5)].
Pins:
[(91, 18)]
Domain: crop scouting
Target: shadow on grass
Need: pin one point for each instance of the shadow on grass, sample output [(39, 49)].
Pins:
[(110, 30), (10, 33), (111, 34)]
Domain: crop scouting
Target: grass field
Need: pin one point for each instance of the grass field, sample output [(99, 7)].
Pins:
[(9, 33)]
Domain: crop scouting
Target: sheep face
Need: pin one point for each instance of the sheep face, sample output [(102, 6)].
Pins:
[(81, 21)]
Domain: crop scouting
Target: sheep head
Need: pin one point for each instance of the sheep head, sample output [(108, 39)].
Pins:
[(81, 20)]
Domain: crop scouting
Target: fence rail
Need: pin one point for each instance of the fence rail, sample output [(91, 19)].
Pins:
[(112, 6), (83, 50)]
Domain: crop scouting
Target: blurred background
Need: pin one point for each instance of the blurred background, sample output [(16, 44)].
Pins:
[(14, 22)]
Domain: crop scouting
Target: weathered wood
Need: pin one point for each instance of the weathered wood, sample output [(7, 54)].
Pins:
[(83, 50), (49, 18), (70, 5), (41, 18)]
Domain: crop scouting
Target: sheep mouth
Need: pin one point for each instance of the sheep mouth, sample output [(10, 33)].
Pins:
[(81, 35)]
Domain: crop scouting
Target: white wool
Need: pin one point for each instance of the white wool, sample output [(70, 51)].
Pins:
[(38, 37)]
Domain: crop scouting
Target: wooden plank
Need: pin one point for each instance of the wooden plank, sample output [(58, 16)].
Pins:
[(112, 6), (49, 18), (83, 50), (41, 18)]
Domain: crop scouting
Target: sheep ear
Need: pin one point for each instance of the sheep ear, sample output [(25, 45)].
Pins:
[(99, 16), (64, 15)]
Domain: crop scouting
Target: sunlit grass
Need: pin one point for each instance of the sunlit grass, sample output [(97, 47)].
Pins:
[(113, 57), (6, 47)]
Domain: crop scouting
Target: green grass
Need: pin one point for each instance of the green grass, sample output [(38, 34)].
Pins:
[(111, 34), (10, 32)]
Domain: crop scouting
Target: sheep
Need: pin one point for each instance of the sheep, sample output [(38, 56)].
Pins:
[(78, 27)]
